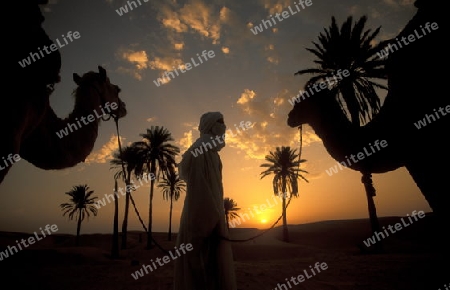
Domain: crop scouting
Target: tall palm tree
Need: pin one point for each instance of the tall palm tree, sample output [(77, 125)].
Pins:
[(230, 207), (172, 186), (158, 154), (350, 48), (286, 171), (115, 238), (353, 49), (81, 203), (131, 161)]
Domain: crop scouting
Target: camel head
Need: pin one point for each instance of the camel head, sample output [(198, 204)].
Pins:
[(310, 109), (108, 92)]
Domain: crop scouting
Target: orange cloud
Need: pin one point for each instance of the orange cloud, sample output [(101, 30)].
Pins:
[(106, 152)]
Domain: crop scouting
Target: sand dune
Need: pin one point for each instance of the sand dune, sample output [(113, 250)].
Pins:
[(411, 259)]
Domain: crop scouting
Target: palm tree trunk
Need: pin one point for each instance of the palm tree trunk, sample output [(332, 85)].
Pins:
[(370, 193), (125, 217), (170, 218), (227, 218), (77, 241), (115, 241), (150, 209), (285, 228)]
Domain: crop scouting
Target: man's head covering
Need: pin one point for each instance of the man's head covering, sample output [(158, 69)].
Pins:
[(208, 120), (209, 129)]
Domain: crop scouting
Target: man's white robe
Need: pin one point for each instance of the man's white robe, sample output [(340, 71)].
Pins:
[(209, 266)]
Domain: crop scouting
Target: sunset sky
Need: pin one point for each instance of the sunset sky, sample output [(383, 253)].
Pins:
[(250, 78)]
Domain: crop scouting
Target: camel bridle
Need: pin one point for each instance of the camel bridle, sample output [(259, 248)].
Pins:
[(109, 115)]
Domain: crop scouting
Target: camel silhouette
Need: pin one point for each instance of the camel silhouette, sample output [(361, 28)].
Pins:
[(415, 93), (29, 125)]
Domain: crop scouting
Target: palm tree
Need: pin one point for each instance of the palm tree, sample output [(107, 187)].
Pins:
[(172, 186), (158, 155), (130, 159), (115, 238), (350, 48), (230, 207), (286, 171), (81, 203)]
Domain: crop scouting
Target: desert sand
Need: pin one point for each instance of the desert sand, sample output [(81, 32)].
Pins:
[(411, 259)]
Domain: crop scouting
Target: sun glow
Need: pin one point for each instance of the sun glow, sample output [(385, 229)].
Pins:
[(263, 221)]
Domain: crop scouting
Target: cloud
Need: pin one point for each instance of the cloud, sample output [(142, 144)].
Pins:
[(186, 141), (196, 17), (225, 14), (273, 59), (106, 152), (268, 115), (165, 63), (130, 71), (138, 59), (199, 17), (171, 20), (178, 46)]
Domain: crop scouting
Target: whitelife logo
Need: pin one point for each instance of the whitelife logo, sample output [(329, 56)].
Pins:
[(219, 139), (184, 67), (328, 83), (35, 56), (31, 240), (359, 155), (398, 226), (245, 216), (165, 260), (301, 278), (285, 14), (430, 118), (11, 158), (124, 9), (90, 118), (411, 37)]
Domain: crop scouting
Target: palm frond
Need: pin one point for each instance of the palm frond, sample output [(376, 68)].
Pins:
[(350, 47)]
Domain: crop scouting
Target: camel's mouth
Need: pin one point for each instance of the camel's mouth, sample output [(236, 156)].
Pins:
[(292, 121), (122, 110)]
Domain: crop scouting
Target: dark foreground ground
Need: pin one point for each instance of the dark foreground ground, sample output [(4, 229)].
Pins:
[(413, 258)]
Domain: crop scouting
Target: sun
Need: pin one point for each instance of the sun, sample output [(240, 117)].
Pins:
[(263, 221)]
